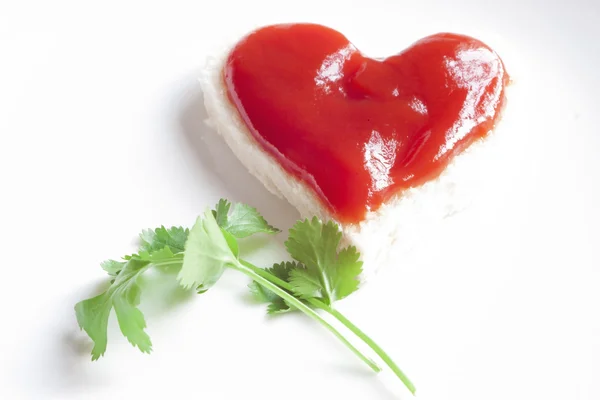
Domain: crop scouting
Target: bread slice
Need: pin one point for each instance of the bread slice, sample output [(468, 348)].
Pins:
[(385, 234)]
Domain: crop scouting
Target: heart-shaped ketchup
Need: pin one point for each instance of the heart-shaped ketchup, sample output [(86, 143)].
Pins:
[(358, 130)]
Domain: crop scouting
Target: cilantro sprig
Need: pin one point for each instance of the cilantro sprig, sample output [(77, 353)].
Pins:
[(320, 274)]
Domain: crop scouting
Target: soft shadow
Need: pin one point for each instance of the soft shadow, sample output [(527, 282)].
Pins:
[(214, 156), (61, 363), (382, 387), (162, 293), (75, 342), (64, 362), (253, 244)]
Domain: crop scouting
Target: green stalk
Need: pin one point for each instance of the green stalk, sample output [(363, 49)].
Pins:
[(382, 354), (342, 319), (243, 267)]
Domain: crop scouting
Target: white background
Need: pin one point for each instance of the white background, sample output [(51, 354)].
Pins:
[(101, 136)]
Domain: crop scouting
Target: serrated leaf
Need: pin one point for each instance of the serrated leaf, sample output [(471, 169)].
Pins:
[(263, 295), (282, 270), (260, 293), (207, 253), (156, 256), (278, 306), (349, 268), (112, 267), (159, 238), (124, 296), (130, 318), (245, 221), (221, 212), (315, 244), (241, 220), (231, 242), (327, 274), (306, 286), (92, 316)]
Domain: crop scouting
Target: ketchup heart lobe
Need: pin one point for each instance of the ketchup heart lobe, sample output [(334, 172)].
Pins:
[(358, 130)]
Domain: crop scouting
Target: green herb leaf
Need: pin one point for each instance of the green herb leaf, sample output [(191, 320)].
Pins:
[(306, 284), (324, 273), (320, 275), (221, 212), (174, 237), (231, 242), (159, 257), (243, 221), (349, 268), (207, 253), (112, 267), (124, 295), (276, 304)]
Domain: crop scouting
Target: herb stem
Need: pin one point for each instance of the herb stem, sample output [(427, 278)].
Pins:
[(253, 273), (168, 263), (382, 354), (342, 319)]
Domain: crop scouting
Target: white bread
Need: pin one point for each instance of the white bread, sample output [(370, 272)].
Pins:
[(385, 234)]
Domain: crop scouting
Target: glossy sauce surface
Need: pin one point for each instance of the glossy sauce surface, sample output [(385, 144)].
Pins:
[(358, 130)]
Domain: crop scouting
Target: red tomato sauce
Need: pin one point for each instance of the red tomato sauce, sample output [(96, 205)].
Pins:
[(359, 130)]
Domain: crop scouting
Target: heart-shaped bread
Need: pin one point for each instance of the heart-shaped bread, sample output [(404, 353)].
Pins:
[(342, 136)]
